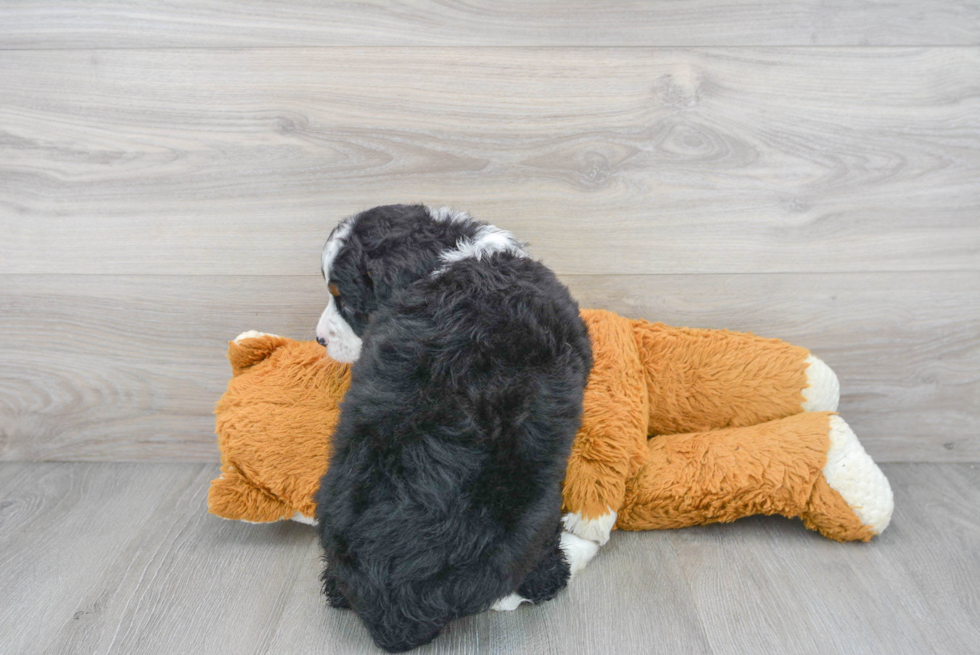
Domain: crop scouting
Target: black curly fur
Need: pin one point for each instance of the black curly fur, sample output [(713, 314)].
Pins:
[(550, 575), (444, 488)]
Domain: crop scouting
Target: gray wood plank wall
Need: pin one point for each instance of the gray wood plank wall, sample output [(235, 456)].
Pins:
[(168, 175), (228, 23)]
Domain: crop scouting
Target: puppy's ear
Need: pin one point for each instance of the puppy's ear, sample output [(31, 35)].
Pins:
[(380, 277), (383, 275)]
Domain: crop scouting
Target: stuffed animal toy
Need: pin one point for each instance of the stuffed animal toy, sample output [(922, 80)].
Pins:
[(680, 427)]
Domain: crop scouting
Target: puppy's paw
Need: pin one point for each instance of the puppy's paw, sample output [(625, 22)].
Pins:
[(596, 529), (509, 603), (333, 595), (577, 551)]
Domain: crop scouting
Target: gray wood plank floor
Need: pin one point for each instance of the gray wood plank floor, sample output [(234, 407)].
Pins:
[(123, 558)]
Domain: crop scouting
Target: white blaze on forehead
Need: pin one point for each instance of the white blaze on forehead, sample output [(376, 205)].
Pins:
[(343, 344), (336, 241)]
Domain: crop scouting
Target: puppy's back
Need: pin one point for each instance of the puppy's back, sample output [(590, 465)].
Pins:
[(445, 482)]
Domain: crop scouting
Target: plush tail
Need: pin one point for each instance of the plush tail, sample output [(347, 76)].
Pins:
[(703, 379)]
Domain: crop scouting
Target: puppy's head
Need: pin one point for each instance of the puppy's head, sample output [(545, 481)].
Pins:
[(371, 256)]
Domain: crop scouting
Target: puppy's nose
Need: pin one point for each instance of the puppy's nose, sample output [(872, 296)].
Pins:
[(320, 340)]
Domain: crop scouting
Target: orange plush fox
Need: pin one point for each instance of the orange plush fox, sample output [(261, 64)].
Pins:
[(680, 427)]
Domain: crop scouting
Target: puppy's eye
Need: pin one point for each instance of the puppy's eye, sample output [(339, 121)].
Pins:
[(334, 291)]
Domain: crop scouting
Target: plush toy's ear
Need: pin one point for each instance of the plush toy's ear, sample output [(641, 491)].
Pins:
[(250, 348)]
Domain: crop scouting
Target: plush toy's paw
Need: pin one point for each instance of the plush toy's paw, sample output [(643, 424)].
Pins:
[(233, 496), (509, 603), (577, 551), (852, 473), (299, 517), (596, 529), (822, 393), (252, 334)]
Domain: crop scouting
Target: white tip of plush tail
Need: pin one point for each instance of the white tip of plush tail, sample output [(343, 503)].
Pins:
[(852, 473)]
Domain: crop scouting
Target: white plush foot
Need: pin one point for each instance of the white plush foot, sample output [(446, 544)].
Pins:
[(578, 552), (822, 392), (852, 473), (303, 518), (596, 530), (509, 603), (251, 334)]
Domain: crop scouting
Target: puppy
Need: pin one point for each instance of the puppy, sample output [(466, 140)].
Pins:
[(443, 493)]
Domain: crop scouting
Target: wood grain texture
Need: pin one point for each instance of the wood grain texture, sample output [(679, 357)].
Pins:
[(937, 511), (61, 529), (129, 368), (191, 583), (221, 23), (603, 611), (913, 591), (122, 558), (608, 160)]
